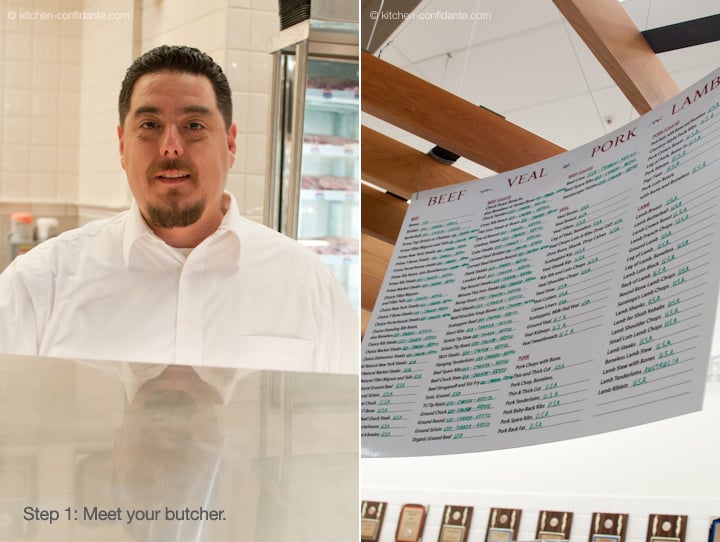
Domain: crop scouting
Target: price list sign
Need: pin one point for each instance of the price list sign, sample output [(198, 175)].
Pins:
[(571, 297)]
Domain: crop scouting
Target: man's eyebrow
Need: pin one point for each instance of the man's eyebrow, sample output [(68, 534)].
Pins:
[(145, 109), (198, 109)]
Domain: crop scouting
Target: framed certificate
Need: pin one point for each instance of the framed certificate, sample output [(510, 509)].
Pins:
[(371, 519), (456, 523), (503, 524), (554, 525), (714, 535), (608, 527), (666, 528), (411, 523)]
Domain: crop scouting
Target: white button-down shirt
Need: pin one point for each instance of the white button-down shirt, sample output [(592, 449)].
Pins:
[(245, 297)]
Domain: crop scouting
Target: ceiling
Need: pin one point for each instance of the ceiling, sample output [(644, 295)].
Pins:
[(522, 60)]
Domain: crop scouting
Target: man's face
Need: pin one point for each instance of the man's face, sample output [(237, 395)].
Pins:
[(176, 152)]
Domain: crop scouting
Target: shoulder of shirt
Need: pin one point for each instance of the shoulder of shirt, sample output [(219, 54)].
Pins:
[(254, 232), (259, 240)]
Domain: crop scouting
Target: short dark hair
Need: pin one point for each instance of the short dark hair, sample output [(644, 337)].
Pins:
[(178, 58)]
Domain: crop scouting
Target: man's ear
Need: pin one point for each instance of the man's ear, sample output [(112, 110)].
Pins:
[(232, 144)]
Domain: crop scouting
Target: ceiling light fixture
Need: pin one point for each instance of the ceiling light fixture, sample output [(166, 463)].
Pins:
[(443, 155)]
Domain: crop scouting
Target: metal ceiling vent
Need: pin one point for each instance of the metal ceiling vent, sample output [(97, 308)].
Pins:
[(293, 12)]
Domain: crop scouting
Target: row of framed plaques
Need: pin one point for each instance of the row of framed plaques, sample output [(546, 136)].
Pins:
[(504, 523)]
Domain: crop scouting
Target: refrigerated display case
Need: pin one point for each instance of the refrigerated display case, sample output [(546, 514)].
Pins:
[(313, 193)]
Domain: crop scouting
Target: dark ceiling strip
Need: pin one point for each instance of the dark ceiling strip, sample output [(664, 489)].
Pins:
[(380, 19), (685, 34)]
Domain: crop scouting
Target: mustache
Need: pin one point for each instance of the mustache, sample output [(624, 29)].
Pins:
[(171, 163)]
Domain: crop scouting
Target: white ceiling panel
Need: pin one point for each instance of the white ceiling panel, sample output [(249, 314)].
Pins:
[(425, 37), (434, 29), (666, 12), (512, 73), (706, 57), (473, 168), (549, 120), (595, 74)]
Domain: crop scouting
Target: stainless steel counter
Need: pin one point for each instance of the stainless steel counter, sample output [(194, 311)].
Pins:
[(140, 452)]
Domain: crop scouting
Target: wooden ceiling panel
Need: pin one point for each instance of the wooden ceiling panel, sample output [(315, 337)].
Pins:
[(364, 319), (376, 256), (402, 170), (436, 115), (379, 253), (382, 214), (370, 290)]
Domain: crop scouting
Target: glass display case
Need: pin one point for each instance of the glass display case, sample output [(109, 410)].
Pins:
[(124, 452), (313, 164)]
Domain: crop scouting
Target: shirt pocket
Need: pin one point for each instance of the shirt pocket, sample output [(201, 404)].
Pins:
[(276, 353)]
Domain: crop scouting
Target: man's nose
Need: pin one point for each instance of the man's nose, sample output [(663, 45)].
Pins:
[(171, 144)]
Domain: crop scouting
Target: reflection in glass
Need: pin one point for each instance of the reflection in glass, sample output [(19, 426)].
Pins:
[(169, 451), (144, 452)]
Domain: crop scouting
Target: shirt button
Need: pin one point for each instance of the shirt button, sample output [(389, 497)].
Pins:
[(188, 325)]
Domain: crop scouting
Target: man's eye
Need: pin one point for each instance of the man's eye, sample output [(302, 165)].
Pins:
[(195, 126), (149, 124)]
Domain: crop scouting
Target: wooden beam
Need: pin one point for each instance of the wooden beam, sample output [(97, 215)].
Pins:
[(616, 42), (364, 320), (376, 256), (379, 253), (402, 170), (436, 115), (382, 214), (370, 290)]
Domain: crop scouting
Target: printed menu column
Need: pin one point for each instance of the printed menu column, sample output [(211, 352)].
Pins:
[(666, 276), (478, 348), (572, 298), (416, 306)]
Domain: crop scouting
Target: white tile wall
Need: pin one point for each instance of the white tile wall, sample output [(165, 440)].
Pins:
[(106, 51), (39, 91), (249, 67), (34, 76), (254, 195)]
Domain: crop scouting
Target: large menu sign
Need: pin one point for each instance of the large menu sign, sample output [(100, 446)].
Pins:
[(571, 297)]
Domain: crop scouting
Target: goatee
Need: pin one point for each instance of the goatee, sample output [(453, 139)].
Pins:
[(173, 212), (174, 215)]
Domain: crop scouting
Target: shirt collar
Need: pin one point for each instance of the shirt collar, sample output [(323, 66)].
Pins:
[(136, 228)]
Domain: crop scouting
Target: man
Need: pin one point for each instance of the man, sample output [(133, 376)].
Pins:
[(179, 278)]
